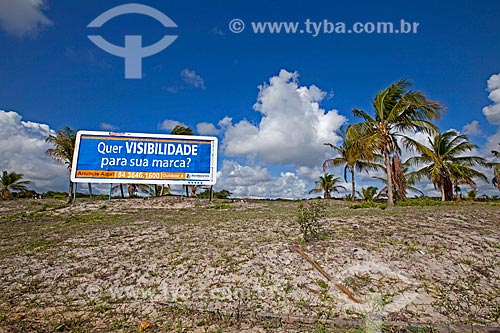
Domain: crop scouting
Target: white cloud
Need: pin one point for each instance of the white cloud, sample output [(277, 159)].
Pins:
[(22, 18), (192, 78), (472, 129), (293, 127), (309, 173), (256, 182), (492, 112), (492, 144), (206, 129), (23, 150), (169, 124), (108, 127), (225, 122), (211, 129)]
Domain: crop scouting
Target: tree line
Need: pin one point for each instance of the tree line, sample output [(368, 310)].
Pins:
[(375, 143)]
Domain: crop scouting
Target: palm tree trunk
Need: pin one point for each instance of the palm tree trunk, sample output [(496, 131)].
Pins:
[(70, 194), (388, 169), (353, 193), (443, 191)]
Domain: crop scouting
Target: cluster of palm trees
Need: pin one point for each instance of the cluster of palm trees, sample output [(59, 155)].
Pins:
[(376, 143)]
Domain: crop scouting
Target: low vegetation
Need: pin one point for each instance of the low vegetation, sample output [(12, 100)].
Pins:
[(230, 266)]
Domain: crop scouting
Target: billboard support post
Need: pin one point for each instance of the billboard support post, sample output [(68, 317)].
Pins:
[(75, 185), (90, 191)]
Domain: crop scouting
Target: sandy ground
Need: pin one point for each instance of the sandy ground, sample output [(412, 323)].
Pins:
[(107, 266)]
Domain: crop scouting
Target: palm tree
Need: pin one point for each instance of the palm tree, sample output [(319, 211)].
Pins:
[(327, 185), (496, 172), (407, 183), (445, 163), (368, 193), (182, 130), (352, 156), (11, 181), (397, 110), (64, 147)]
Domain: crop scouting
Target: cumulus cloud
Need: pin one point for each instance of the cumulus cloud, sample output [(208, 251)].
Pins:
[(191, 78), (22, 18), (492, 112), (22, 150), (293, 127), (309, 173), (206, 129), (472, 129), (257, 182), (492, 144), (169, 124)]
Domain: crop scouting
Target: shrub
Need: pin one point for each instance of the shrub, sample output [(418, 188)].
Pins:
[(366, 204), (422, 201), (308, 217)]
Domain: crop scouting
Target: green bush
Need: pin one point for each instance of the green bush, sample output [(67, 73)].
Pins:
[(422, 201), (366, 204), (309, 217)]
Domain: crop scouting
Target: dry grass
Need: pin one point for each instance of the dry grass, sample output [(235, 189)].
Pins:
[(192, 266)]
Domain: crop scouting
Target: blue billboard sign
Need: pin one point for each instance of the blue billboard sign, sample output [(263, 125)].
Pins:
[(106, 157)]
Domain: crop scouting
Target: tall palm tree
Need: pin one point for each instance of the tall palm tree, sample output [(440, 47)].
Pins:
[(352, 156), (327, 185), (64, 146), (12, 181), (496, 172), (445, 163), (397, 110)]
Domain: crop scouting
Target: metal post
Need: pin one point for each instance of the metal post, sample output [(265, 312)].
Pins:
[(211, 192), (75, 185), (110, 191), (149, 192), (90, 191)]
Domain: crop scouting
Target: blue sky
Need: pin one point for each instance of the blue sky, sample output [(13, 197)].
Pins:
[(52, 74)]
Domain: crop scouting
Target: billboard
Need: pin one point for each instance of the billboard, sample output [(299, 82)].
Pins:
[(140, 158)]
